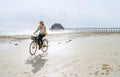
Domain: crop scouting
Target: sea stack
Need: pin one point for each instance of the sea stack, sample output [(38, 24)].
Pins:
[(56, 26)]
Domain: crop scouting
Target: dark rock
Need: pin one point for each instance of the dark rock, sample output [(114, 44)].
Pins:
[(56, 26), (10, 42), (16, 44), (68, 41)]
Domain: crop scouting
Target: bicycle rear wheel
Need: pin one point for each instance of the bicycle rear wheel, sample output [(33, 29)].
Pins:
[(45, 45), (33, 48)]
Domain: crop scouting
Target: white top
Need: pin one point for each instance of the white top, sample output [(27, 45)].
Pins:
[(42, 31)]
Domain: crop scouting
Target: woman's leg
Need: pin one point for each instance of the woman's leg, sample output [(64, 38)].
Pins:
[(39, 39), (43, 35)]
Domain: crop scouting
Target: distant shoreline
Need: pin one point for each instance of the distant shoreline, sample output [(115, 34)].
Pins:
[(28, 36), (61, 31)]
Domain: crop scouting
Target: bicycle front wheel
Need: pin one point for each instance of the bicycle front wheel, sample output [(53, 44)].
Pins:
[(45, 45), (33, 48)]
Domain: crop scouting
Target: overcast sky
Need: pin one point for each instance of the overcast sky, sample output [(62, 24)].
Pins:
[(26, 14)]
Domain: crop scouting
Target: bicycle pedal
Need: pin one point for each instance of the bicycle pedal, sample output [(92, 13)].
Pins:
[(44, 45), (33, 47)]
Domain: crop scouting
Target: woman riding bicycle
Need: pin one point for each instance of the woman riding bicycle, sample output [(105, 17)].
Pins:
[(42, 33)]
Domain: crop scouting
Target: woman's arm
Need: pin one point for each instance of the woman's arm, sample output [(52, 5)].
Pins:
[(45, 31), (36, 30)]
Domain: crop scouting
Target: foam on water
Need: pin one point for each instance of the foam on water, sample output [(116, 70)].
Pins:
[(71, 30), (30, 32), (15, 32)]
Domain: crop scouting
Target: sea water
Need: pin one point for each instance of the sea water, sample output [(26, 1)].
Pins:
[(30, 32), (68, 30)]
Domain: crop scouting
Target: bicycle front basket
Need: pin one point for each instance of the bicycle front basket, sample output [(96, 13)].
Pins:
[(33, 37)]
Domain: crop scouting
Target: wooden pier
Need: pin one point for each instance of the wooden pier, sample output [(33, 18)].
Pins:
[(113, 30)]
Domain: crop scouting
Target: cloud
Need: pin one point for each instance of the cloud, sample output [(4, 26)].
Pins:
[(71, 13)]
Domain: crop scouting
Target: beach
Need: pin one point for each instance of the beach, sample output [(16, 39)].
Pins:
[(69, 55)]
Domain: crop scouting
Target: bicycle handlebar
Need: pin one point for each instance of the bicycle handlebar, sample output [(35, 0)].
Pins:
[(35, 34)]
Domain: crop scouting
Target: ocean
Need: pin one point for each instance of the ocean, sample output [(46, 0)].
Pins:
[(30, 32), (67, 30), (3, 32)]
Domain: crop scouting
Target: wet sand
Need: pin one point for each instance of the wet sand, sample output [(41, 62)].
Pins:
[(69, 55)]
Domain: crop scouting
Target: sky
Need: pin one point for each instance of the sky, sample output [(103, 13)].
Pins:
[(26, 14)]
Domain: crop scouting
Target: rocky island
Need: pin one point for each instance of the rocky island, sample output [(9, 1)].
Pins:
[(56, 26)]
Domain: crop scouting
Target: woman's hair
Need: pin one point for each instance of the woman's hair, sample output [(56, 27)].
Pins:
[(41, 22)]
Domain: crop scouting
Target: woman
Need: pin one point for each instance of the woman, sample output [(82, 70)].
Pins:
[(42, 33)]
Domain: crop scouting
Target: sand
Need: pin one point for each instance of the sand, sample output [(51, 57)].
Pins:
[(69, 55)]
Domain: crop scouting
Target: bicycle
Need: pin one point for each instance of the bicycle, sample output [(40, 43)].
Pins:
[(34, 45)]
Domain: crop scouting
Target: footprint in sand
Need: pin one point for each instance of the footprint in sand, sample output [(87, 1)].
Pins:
[(106, 68), (96, 73), (119, 67)]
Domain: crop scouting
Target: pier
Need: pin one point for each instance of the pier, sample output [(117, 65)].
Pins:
[(113, 30)]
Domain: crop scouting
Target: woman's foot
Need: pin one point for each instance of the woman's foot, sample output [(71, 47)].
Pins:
[(40, 47)]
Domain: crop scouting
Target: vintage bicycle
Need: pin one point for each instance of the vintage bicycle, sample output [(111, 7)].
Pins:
[(34, 45)]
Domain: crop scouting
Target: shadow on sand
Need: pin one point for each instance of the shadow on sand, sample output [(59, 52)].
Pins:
[(37, 62)]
